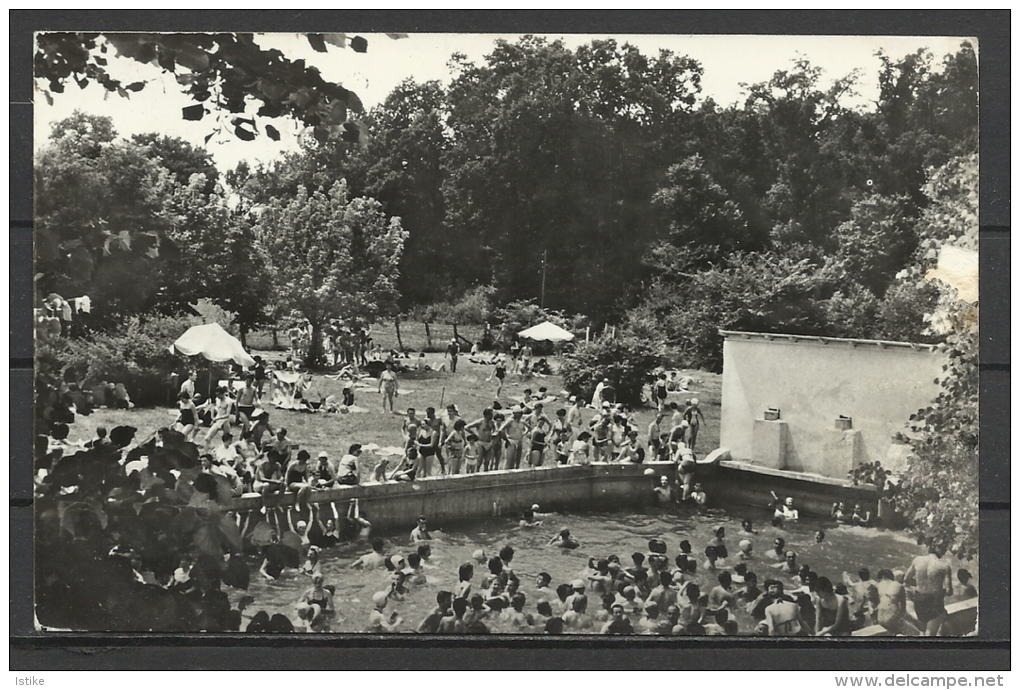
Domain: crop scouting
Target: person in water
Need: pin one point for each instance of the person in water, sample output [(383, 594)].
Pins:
[(564, 540), (421, 532), (374, 559)]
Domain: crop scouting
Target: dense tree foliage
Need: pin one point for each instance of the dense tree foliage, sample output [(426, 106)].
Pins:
[(939, 491)]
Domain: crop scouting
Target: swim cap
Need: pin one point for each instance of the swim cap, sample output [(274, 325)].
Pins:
[(479, 555), (745, 544), (535, 507), (694, 402), (649, 472), (379, 598), (302, 523), (577, 584)]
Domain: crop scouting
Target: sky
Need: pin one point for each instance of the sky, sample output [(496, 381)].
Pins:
[(728, 61)]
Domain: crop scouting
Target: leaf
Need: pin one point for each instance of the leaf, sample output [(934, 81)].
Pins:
[(335, 39), (193, 112), (317, 42), (136, 86), (231, 534), (206, 543), (236, 574), (272, 133), (359, 44), (49, 98), (244, 134), (195, 59)]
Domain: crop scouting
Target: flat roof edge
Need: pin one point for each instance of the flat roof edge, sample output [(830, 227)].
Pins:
[(824, 340)]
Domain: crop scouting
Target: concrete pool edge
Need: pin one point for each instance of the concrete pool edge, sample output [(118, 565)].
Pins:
[(597, 486)]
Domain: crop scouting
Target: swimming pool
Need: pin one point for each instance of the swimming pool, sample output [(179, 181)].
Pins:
[(844, 548)]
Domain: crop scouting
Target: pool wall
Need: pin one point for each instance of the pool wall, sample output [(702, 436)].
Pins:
[(580, 488), (491, 494), (742, 484)]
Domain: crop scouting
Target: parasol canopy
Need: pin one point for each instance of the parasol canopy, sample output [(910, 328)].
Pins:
[(213, 343), (547, 331)]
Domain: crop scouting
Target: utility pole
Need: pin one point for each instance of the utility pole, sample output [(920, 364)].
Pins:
[(541, 299)]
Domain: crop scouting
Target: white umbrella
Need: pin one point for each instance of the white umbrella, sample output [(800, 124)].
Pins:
[(547, 331), (213, 343)]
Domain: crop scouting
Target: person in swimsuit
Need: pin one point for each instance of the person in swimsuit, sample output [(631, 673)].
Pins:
[(246, 402), (891, 611), (388, 386), (268, 477), (783, 617), (186, 422), (454, 445), (485, 428), (832, 617), (499, 373), (932, 578), (322, 476), (660, 392), (298, 479), (347, 468), (222, 408), (513, 431)]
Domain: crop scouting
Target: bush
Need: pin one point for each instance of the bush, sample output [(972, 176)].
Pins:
[(136, 355), (626, 361)]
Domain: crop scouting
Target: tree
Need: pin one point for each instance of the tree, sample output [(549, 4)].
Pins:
[(219, 259), (181, 158), (332, 257), (554, 157), (704, 224), (627, 361), (876, 242), (766, 293), (98, 228)]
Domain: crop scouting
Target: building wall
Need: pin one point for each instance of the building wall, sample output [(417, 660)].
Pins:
[(812, 384)]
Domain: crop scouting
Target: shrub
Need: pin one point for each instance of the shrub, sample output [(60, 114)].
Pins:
[(137, 355), (626, 361)]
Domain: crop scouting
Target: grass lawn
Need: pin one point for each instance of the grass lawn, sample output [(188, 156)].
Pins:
[(468, 389)]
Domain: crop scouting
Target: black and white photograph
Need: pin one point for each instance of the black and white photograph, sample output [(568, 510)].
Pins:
[(460, 334)]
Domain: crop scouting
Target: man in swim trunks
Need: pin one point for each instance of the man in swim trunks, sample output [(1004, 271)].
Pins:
[(513, 431), (452, 351), (484, 429), (932, 578)]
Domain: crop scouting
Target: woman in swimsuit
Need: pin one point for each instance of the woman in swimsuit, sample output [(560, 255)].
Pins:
[(832, 611), (499, 373), (318, 595), (388, 386), (661, 392), (186, 423)]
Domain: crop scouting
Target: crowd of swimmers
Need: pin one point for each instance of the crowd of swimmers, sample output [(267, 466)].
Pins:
[(708, 592)]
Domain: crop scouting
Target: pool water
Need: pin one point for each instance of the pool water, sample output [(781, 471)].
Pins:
[(844, 548)]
